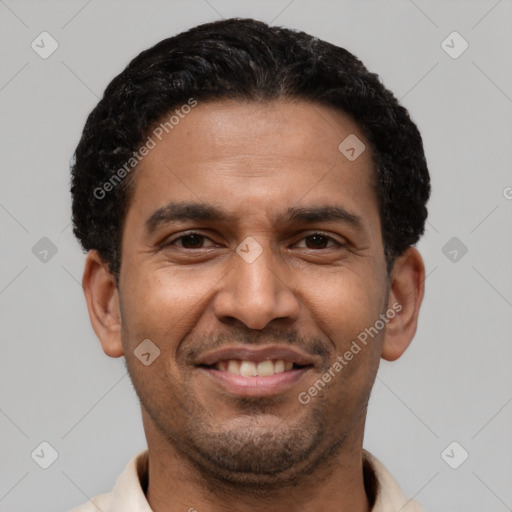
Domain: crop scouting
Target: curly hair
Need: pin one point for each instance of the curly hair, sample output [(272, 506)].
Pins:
[(243, 59)]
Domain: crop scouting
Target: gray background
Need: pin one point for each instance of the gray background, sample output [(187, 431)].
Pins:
[(453, 384)]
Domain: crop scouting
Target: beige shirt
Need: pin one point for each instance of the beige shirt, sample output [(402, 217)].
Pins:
[(128, 494)]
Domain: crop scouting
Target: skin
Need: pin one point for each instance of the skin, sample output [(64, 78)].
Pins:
[(210, 450)]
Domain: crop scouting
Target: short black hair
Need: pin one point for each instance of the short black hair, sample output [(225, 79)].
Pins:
[(246, 60)]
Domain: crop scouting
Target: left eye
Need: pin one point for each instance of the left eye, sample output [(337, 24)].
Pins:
[(318, 241)]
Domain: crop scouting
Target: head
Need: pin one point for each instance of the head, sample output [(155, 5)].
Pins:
[(241, 185)]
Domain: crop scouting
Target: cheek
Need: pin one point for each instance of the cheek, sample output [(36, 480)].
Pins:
[(346, 303), (163, 304), (346, 308)]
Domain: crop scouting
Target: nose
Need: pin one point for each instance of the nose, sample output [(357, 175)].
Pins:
[(256, 293)]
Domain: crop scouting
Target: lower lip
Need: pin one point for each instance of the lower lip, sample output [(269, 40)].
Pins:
[(256, 386)]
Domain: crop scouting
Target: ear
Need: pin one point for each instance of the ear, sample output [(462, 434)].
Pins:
[(102, 300), (405, 297)]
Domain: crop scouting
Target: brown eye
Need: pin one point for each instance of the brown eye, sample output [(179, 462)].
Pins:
[(192, 241), (318, 241), (189, 241)]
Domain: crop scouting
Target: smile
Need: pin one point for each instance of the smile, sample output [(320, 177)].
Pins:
[(255, 371)]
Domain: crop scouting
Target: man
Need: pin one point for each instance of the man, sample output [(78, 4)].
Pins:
[(250, 197)]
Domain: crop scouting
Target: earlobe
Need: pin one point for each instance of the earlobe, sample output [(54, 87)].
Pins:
[(405, 297), (102, 300)]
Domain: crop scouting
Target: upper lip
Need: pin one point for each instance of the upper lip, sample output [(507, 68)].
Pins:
[(257, 355)]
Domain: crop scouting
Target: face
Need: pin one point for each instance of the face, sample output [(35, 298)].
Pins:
[(252, 245)]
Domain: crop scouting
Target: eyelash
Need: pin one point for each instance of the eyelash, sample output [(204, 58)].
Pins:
[(193, 233)]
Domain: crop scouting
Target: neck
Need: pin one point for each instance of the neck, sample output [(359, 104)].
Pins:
[(344, 483)]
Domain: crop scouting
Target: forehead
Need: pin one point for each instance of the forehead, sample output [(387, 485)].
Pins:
[(295, 129), (249, 157)]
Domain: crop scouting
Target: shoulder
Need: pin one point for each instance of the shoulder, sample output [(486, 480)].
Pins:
[(128, 492), (389, 496)]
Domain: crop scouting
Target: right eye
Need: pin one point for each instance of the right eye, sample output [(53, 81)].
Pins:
[(188, 241)]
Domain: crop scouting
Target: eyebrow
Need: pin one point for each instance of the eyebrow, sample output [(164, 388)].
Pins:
[(200, 212)]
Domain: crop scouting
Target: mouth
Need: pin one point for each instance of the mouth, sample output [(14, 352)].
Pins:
[(256, 372)]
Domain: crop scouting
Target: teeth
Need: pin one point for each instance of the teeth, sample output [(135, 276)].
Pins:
[(233, 367), (252, 369), (265, 368), (248, 369), (279, 366)]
